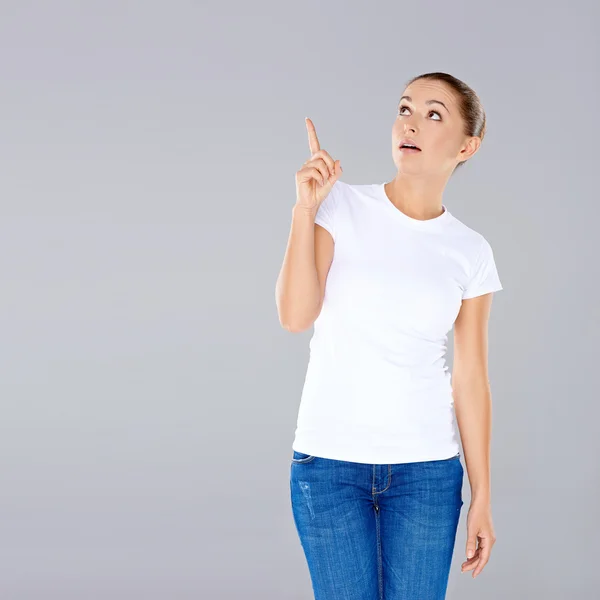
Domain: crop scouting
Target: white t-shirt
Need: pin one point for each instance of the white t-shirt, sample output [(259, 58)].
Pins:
[(377, 389)]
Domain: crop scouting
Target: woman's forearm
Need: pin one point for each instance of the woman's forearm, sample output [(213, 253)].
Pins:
[(473, 408), (297, 290)]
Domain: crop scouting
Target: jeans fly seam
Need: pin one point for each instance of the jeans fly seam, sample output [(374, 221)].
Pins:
[(387, 487), (379, 557)]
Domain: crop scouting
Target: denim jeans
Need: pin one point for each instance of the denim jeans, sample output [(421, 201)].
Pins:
[(375, 531)]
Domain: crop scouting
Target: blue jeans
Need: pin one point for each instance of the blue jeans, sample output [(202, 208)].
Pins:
[(374, 531)]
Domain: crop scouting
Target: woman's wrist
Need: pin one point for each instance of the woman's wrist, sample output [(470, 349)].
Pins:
[(304, 211), (481, 496)]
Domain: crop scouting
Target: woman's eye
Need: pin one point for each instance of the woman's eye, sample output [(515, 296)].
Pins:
[(431, 111)]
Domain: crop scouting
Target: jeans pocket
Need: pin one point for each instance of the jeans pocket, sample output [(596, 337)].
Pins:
[(301, 458)]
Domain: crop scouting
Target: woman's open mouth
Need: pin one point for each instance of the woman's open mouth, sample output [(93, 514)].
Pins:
[(408, 145)]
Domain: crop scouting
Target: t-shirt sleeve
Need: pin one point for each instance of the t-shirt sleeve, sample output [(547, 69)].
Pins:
[(484, 275), (326, 214)]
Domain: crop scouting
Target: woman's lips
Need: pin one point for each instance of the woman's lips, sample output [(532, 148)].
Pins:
[(409, 150)]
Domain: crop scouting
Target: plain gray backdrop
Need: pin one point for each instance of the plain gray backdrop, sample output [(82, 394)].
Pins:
[(148, 393)]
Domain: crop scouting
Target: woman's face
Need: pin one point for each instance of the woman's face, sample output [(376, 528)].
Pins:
[(437, 129)]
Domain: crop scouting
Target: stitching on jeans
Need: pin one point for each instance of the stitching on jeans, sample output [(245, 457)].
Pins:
[(379, 558), (303, 460), (389, 481)]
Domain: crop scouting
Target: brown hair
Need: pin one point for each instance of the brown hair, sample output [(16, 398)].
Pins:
[(471, 109)]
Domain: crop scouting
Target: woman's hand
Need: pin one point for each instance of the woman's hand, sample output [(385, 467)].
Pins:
[(317, 175), (479, 529)]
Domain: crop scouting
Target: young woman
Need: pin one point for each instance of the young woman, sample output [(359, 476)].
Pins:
[(384, 271)]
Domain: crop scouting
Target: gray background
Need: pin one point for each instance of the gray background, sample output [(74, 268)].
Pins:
[(149, 395)]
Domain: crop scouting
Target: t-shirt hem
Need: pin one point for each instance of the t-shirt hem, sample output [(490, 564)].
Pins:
[(372, 455), (482, 291), (325, 225)]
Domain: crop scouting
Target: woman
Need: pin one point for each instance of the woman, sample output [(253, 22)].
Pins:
[(384, 271)]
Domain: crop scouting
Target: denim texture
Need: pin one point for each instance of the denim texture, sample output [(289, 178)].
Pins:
[(376, 531)]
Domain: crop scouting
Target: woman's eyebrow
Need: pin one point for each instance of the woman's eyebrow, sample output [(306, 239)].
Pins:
[(428, 102)]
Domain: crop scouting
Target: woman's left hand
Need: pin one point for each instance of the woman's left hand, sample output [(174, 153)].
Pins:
[(479, 529)]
